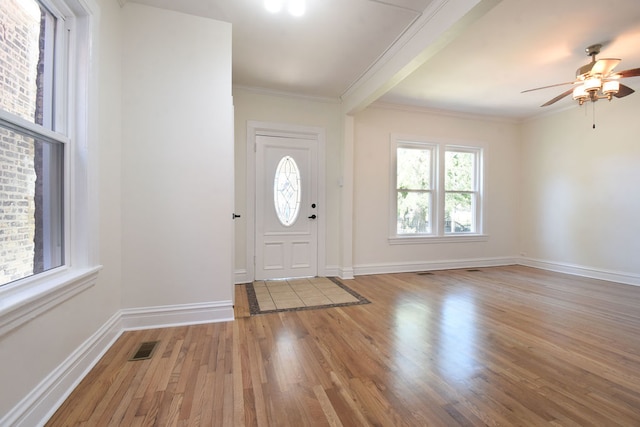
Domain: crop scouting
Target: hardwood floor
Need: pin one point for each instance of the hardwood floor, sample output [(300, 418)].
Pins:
[(496, 346)]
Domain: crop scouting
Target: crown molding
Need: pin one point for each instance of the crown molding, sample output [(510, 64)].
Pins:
[(284, 94), (447, 113)]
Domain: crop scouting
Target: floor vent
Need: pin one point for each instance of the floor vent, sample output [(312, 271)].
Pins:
[(425, 273), (145, 351), (473, 270)]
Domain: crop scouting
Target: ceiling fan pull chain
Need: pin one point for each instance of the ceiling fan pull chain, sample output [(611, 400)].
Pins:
[(594, 114)]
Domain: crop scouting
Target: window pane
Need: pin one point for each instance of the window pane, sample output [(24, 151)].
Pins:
[(459, 171), (31, 201), (286, 191), (414, 169), (413, 212), (24, 66), (458, 213)]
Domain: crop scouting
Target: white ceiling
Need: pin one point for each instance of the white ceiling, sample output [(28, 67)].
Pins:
[(339, 45)]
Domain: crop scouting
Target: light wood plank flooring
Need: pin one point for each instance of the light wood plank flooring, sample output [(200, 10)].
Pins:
[(498, 347)]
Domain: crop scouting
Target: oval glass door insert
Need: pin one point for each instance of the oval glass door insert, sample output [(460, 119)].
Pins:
[(286, 191)]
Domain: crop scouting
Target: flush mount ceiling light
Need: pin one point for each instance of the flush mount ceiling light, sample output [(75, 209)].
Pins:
[(595, 80), (273, 6), (294, 7)]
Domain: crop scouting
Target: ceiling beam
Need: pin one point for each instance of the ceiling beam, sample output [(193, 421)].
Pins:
[(440, 23)]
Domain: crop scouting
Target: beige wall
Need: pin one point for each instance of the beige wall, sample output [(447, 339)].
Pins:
[(373, 127), (371, 175), (580, 197)]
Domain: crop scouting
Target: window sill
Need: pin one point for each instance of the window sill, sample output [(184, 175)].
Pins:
[(421, 240), (28, 298)]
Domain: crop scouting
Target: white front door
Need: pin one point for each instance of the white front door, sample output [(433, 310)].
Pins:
[(286, 207)]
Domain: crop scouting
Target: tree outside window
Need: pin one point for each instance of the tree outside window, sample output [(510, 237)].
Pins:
[(437, 189), (414, 190), (460, 191)]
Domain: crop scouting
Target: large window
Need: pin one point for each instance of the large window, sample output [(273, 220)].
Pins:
[(48, 205), (32, 140), (437, 190)]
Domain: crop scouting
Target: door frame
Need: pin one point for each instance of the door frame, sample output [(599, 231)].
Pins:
[(283, 130)]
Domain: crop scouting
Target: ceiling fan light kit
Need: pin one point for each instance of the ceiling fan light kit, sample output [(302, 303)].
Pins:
[(595, 80), (590, 88)]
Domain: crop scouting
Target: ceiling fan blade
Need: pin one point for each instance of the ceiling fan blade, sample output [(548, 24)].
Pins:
[(604, 66), (558, 98), (635, 72), (624, 91), (546, 87), (583, 71)]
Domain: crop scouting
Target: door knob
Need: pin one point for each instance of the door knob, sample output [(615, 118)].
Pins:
[(234, 216), (313, 216)]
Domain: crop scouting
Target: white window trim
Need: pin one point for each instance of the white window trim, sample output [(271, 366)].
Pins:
[(25, 299), (440, 146)]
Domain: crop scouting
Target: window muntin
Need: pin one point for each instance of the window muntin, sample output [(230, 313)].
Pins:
[(286, 191), (414, 189), (31, 155), (444, 199)]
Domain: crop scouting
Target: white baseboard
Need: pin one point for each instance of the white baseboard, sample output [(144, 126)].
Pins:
[(408, 267), (346, 273), (41, 403), (241, 276), (583, 271), (330, 271), (176, 315)]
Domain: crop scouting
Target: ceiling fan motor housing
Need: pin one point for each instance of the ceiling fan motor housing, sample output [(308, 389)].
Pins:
[(593, 50)]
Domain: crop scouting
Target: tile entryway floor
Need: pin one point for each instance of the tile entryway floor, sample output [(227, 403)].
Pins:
[(297, 293)]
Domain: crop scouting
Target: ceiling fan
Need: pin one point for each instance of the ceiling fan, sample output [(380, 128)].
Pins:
[(595, 80)]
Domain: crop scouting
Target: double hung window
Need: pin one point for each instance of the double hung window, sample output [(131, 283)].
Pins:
[(461, 191), (33, 136), (437, 190), (47, 178), (415, 188)]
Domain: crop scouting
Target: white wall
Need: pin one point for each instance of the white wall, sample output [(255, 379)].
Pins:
[(31, 352), (372, 251), (176, 159), (256, 106), (581, 201), (165, 197)]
